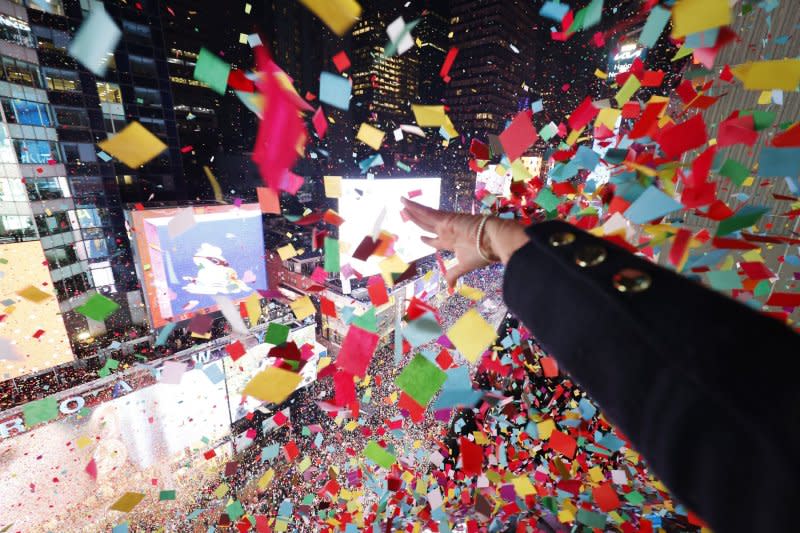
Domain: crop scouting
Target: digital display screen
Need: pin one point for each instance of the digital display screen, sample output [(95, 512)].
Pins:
[(622, 57), (32, 333), (218, 254), (361, 204)]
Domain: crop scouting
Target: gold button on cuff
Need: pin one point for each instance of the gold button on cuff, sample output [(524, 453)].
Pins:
[(632, 280), (591, 255), (561, 239)]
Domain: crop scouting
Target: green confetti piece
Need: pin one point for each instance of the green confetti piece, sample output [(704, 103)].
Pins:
[(378, 455), (98, 308), (421, 379), (277, 334), (166, 495), (235, 511), (368, 321), (634, 498), (591, 519), (547, 200), (744, 218), (734, 171), (212, 71), (40, 411), (331, 255)]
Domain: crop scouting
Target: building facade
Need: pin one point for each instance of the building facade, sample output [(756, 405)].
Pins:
[(56, 189)]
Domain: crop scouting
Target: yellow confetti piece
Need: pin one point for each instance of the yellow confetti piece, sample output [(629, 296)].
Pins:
[(523, 486), (333, 186), (83, 441), (338, 15), (596, 474), (608, 117), (471, 335), (222, 490), (695, 16), (127, 502), (545, 428), (302, 307), (134, 145), (600, 74), (34, 294), (213, 181), (783, 74), (253, 306), (371, 136), (287, 252), (272, 385), (476, 295)]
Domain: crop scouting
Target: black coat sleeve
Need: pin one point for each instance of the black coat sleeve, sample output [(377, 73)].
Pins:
[(702, 385)]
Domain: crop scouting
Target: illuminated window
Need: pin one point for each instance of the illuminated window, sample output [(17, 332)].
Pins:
[(102, 275), (16, 31), (109, 92), (62, 80), (50, 6), (26, 113), (36, 152), (20, 72)]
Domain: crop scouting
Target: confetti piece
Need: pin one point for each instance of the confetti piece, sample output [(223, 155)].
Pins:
[(357, 350), (421, 379), (212, 71), (40, 411), (379, 455), (334, 90), (656, 22), (333, 186), (98, 308), (695, 16), (781, 74), (277, 334), (34, 294), (269, 201), (134, 145), (95, 42), (127, 502), (471, 335), (338, 15), (272, 385), (371, 136), (519, 136), (302, 308)]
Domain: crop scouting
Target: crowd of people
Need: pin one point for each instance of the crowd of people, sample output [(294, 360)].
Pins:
[(319, 476)]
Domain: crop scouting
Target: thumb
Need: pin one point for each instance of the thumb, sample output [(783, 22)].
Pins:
[(455, 272)]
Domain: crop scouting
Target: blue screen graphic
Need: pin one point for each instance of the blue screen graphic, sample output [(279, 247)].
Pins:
[(218, 256)]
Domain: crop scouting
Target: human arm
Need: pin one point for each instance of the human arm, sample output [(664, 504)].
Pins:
[(695, 380)]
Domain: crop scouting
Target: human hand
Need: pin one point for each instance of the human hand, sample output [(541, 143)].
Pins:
[(457, 232)]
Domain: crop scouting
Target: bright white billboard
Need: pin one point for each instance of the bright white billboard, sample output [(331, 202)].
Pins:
[(371, 205)]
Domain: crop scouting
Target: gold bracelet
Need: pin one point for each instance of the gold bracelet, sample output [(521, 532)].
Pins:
[(479, 237)]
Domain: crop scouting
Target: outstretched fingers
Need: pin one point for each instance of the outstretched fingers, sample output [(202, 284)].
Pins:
[(424, 217)]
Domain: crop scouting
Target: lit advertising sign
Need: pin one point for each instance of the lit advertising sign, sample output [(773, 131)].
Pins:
[(32, 333), (362, 204), (220, 255), (622, 58)]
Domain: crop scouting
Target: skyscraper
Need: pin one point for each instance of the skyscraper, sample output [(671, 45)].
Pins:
[(61, 193), (383, 87), (433, 45), (494, 62)]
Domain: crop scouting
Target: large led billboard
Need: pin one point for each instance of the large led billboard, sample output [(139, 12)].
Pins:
[(32, 332), (362, 204), (187, 259)]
